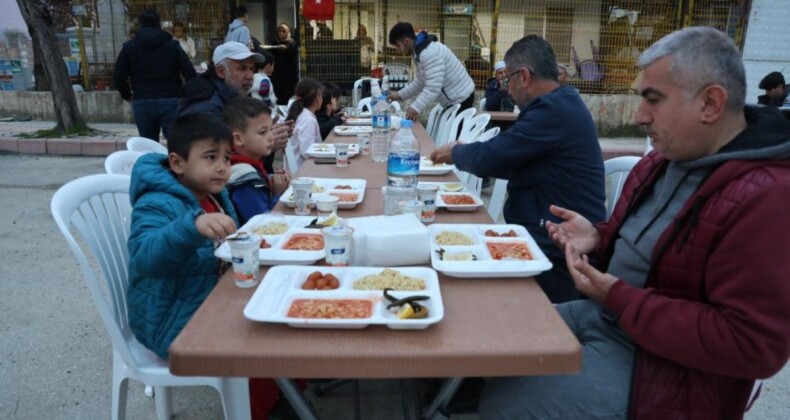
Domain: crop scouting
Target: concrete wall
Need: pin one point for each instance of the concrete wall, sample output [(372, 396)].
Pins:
[(612, 114), (94, 106)]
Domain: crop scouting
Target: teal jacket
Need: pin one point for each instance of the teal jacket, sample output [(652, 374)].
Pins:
[(172, 268)]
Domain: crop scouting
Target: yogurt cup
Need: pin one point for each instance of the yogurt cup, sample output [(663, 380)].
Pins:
[(337, 244), (244, 255)]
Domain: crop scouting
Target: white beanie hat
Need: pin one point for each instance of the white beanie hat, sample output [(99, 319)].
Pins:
[(499, 65)]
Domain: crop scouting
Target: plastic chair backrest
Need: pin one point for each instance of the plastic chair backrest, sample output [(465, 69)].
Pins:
[(473, 127), (144, 145), (497, 201), (482, 105), (364, 105), (395, 105), (98, 208), (291, 164), (471, 181), (446, 119), (356, 91), (617, 170), (488, 134), (121, 162), (433, 119), (461, 119)]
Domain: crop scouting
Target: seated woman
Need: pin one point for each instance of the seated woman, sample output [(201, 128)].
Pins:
[(309, 97)]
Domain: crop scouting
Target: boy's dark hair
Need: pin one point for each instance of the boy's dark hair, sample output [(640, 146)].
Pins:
[(401, 30), (194, 127), (772, 80), (241, 109), (331, 90), (149, 19), (241, 11), (268, 58)]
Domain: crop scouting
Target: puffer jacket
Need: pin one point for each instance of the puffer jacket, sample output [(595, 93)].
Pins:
[(205, 94), (172, 267), (714, 314), (440, 77)]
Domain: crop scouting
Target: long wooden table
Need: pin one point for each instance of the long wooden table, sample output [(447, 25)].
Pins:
[(491, 327)]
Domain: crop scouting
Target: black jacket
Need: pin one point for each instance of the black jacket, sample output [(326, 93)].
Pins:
[(155, 65), (327, 123)]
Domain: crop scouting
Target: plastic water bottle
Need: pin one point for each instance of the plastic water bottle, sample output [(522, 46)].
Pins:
[(385, 86), (403, 162), (381, 130)]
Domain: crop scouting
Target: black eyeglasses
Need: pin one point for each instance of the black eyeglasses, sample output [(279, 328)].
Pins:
[(506, 80)]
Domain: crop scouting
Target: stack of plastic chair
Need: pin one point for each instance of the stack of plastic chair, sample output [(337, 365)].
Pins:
[(472, 128), (121, 162), (456, 123), (97, 207), (445, 120), (364, 105), (145, 145), (433, 120), (488, 134), (482, 105)]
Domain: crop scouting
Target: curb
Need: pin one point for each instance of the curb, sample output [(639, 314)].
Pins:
[(90, 146)]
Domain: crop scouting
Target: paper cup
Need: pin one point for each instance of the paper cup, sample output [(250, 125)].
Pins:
[(341, 155), (303, 189), (326, 204)]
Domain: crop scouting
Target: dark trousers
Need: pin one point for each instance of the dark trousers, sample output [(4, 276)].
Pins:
[(151, 115)]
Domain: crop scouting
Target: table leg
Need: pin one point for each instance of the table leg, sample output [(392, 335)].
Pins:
[(296, 398), (443, 397)]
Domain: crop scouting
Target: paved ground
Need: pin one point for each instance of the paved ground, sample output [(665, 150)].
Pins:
[(55, 357)]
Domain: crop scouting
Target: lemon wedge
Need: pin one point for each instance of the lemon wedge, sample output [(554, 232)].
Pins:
[(452, 187), (408, 311), (330, 220)]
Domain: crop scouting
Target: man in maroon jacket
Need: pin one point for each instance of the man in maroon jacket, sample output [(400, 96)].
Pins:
[(690, 301)]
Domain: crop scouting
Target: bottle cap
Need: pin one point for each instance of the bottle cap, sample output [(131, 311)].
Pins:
[(406, 123)]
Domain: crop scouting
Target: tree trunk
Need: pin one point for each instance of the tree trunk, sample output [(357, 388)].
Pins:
[(37, 17)]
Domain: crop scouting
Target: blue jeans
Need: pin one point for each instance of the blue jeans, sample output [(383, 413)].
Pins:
[(152, 114)]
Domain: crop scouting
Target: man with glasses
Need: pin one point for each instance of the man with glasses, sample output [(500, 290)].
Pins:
[(550, 155), (440, 76)]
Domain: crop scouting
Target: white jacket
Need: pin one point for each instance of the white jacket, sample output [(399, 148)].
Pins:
[(440, 77), (306, 132)]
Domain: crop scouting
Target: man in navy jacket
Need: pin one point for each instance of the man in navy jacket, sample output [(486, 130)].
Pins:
[(150, 72), (549, 156)]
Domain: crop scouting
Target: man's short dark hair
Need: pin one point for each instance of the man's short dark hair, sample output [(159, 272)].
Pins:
[(195, 127), (772, 80), (534, 53), (241, 11), (149, 19), (268, 58), (401, 30), (241, 109)]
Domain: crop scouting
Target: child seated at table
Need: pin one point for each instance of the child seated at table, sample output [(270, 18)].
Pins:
[(328, 116), (309, 97), (252, 190), (180, 210)]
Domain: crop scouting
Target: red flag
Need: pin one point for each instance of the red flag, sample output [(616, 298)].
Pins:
[(319, 9)]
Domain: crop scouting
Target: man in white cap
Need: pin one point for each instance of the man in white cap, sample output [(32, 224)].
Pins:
[(231, 75), (497, 96)]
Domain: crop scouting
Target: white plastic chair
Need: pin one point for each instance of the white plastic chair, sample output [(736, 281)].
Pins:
[(364, 105), (121, 162), (145, 145), (497, 201), (433, 119), (482, 105), (283, 111), (471, 181), (291, 164), (458, 121), (488, 134), (97, 207), (445, 120), (395, 105), (473, 127), (617, 170)]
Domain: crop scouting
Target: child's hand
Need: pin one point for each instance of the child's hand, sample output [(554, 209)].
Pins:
[(215, 226), (280, 183)]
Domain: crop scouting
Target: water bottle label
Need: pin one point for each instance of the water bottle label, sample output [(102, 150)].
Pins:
[(399, 165)]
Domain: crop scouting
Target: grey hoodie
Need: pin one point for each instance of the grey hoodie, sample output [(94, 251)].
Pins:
[(238, 31)]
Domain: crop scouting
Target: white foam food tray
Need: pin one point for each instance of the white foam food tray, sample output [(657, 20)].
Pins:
[(486, 264), (277, 254), (347, 130), (327, 150), (282, 286), (447, 186), (427, 167), (443, 201), (349, 197)]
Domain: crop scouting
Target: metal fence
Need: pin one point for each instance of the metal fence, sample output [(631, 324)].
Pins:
[(598, 40)]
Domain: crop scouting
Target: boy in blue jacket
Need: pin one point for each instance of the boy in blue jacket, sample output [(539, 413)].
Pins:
[(180, 208), (252, 190)]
